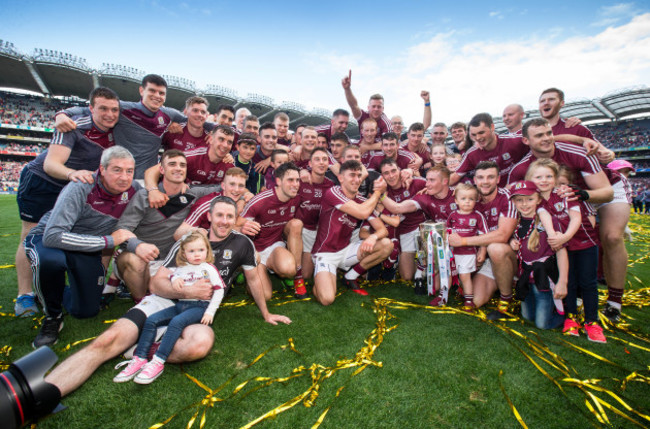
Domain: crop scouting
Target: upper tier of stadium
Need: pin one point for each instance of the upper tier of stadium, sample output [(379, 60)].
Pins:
[(55, 73)]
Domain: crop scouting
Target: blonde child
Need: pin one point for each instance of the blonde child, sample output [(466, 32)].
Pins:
[(467, 222), (583, 272), (543, 272), (438, 154), (193, 261)]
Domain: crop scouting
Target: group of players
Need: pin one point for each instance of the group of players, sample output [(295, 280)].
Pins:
[(309, 204)]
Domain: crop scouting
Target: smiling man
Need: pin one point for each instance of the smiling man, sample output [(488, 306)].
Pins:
[(154, 227), (141, 125), (231, 249), (193, 134), (336, 246), (205, 165), (269, 218), (70, 239), (375, 107), (72, 156)]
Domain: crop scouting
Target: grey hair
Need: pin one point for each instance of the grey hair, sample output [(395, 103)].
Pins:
[(114, 152)]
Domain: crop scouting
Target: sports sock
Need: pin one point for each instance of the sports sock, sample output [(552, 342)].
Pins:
[(615, 297), (298, 272), (355, 272)]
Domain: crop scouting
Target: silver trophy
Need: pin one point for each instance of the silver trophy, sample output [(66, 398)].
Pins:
[(432, 254)]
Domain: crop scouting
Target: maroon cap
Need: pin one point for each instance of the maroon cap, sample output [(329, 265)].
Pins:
[(523, 187)]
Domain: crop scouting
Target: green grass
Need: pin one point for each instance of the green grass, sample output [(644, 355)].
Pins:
[(430, 369)]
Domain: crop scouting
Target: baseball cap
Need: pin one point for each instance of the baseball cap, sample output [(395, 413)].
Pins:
[(620, 164), (523, 187)]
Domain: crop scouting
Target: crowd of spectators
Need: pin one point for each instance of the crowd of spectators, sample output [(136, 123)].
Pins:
[(623, 135), (29, 110), (10, 174), (21, 148)]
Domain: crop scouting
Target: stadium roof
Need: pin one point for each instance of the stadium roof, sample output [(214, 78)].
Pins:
[(58, 73), (611, 107), (62, 74)]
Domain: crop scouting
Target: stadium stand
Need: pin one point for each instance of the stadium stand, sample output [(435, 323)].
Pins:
[(64, 79)]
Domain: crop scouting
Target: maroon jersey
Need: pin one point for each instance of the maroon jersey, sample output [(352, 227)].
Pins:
[(383, 124), (284, 141), (413, 220), (334, 226), (578, 130), (436, 209), (573, 156), (544, 250), (500, 206), (198, 216), (184, 141), (311, 196), (467, 225), (559, 208), (366, 157), (200, 170), (403, 159), (259, 155), (272, 214), (506, 154), (424, 153)]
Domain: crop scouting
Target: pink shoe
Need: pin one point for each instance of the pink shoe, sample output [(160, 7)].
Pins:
[(133, 367), (595, 332), (571, 327), (150, 372)]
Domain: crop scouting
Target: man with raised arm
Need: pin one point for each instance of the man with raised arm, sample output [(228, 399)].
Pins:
[(375, 107), (341, 210)]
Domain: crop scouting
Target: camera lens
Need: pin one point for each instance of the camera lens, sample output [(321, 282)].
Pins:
[(24, 395)]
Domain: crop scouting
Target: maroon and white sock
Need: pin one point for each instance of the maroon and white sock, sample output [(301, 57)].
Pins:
[(355, 272), (615, 297)]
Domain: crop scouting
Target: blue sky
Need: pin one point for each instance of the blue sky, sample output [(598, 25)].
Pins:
[(471, 57)]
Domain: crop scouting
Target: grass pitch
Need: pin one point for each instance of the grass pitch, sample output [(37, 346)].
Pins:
[(383, 361)]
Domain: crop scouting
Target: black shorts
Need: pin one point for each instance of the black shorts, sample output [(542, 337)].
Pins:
[(137, 316), (36, 196)]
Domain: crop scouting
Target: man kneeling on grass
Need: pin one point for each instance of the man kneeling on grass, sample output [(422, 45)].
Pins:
[(231, 249), (335, 248)]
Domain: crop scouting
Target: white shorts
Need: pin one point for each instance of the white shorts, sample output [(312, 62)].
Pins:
[(620, 196), (486, 269), (154, 266), (408, 241), (465, 264), (264, 254), (343, 259), (308, 239), (151, 304)]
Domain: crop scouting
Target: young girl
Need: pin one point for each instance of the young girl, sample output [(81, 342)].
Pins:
[(543, 272), (583, 272), (466, 222), (438, 154), (194, 263)]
